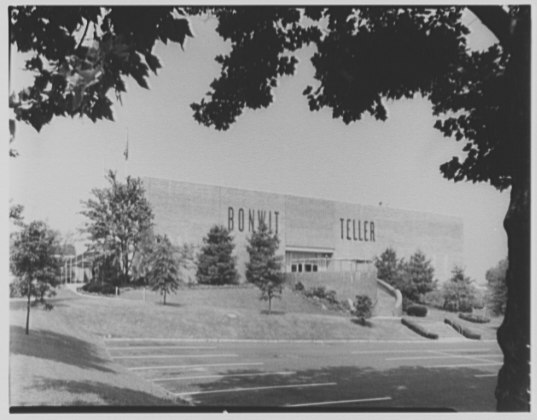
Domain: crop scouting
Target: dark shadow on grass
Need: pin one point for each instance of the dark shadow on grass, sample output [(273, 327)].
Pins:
[(112, 395), (169, 304), (411, 388), (21, 306), (266, 312), (61, 348), (362, 323)]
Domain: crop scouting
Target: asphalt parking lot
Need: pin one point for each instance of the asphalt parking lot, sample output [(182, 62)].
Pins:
[(455, 375)]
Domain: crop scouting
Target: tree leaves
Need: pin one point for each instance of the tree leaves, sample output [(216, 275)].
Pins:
[(262, 40), (365, 55), (177, 30), (73, 78), (119, 217)]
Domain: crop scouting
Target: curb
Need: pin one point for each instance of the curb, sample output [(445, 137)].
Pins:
[(299, 341)]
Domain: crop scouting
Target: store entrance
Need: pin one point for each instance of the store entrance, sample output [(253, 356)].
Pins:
[(307, 262)]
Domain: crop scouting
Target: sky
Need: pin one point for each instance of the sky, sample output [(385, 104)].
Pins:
[(285, 149)]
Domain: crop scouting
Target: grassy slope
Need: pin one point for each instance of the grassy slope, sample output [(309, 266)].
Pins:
[(57, 364), (222, 313)]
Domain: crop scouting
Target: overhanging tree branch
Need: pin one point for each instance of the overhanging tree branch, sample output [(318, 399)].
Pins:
[(496, 20)]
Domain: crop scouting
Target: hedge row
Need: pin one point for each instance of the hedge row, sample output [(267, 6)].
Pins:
[(416, 310), (462, 330), (105, 289), (419, 329), (479, 319)]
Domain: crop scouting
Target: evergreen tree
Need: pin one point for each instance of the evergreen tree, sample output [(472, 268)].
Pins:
[(387, 265), (264, 267), (163, 267), (418, 277), (458, 292), (216, 264), (497, 288), (391, 269)]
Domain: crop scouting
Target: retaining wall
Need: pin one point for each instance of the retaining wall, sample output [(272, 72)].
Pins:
[(347, 284)]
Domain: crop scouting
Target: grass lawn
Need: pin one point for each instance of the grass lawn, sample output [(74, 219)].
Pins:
[(57, 364), (487, 331), (222, 313), (64, 362), (436, 316)]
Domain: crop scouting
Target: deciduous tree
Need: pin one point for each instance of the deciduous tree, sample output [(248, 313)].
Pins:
[(34, 260), (79, 54), (497, 287), (366, 55), (118, 217), (163, 267)]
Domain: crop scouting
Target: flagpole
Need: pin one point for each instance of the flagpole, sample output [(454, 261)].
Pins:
[(126, 155)]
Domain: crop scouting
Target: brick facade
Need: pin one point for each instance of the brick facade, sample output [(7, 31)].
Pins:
[(306, 226)]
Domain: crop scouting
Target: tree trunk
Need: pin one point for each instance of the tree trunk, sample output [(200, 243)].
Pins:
[(164, 302), (28, 306), (512, 390)]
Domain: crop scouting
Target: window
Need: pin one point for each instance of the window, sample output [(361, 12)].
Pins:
[(307, 267), (293, 268)]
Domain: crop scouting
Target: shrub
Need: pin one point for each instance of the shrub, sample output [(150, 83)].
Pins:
[(320, 292), (462, 330), (417, 310), (299, 287), (105, 289), (328, 297), (363, 307), (418, 329), (406, 303), (478, 319), (434, 299)]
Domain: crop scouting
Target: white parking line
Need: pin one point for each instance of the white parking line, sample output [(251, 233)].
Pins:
[(161, 347), (414, 351), (446, 356), (340, 402), (388, 351), (171, 356), (258, 388), (466, 365), (486, 375), (184, 378), (474, 357), (194, 366)]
